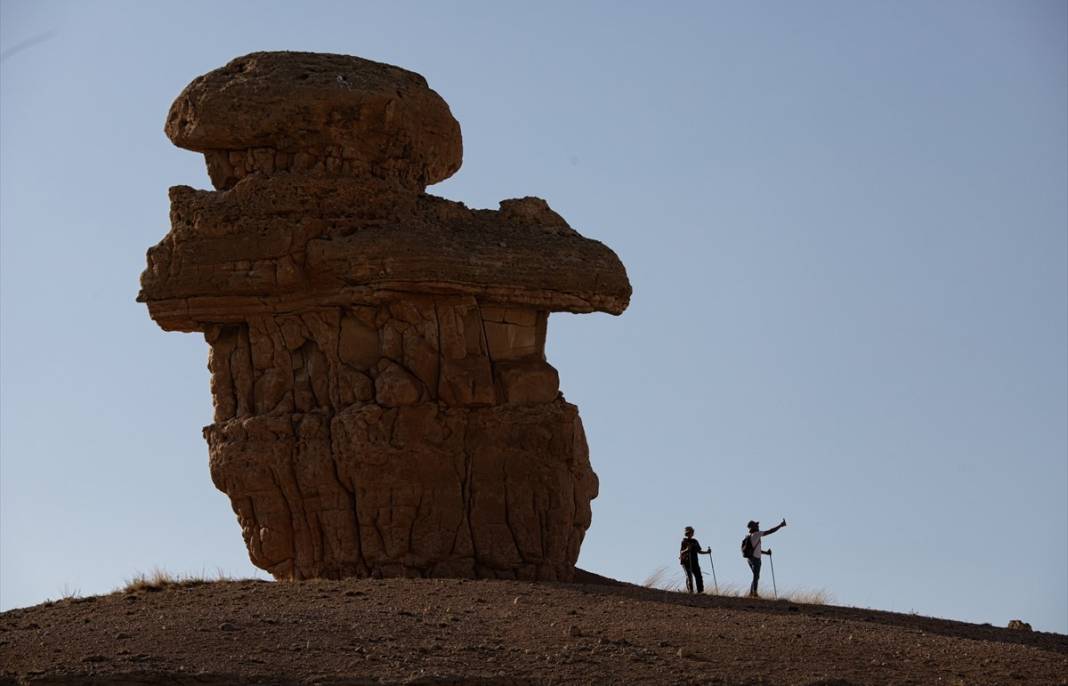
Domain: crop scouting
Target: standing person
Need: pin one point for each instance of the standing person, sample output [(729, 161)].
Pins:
[(751, 551), (688, 553)]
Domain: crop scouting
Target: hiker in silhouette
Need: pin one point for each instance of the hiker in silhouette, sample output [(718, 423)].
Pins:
[(751, 551), (688, 559)]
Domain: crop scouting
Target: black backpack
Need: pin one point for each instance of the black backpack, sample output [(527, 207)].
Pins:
[(684, 554), (747, 547)]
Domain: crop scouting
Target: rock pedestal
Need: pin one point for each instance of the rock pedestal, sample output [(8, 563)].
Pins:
[(383, 406)]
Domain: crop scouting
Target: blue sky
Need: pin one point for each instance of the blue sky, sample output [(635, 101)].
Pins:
[(846, 224)]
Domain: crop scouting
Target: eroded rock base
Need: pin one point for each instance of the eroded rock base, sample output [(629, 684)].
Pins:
[(420, 437)]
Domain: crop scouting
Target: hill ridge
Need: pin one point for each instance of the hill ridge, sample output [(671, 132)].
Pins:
[(441, 631)]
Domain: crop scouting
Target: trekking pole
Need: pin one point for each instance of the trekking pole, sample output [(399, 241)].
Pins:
[(774, 586), (714, 581)]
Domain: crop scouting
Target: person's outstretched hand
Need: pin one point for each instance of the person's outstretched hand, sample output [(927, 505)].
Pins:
[(783, 522), (768, 551)]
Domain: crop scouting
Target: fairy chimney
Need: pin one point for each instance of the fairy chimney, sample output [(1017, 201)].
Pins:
[(383, 406)]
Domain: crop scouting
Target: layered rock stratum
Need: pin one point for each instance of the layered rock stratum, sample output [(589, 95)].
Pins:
[(383, 405)]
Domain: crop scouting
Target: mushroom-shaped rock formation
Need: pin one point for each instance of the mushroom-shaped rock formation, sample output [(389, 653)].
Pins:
[(383, 406)]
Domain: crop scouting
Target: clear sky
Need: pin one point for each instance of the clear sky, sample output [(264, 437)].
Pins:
[(846, 224)]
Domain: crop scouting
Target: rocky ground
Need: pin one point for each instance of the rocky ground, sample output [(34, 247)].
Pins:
[(498, 632)]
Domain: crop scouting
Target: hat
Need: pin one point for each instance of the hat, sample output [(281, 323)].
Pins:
[(689, 528), (752, 524)]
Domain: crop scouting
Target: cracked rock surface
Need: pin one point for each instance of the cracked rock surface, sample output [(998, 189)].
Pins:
[(275, 111), (383, 406)]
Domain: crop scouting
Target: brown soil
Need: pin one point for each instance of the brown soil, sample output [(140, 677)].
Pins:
[(498, 632)]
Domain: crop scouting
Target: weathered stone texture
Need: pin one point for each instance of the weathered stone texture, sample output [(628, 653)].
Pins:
[(271, 112), (382, 401), (307, 240)]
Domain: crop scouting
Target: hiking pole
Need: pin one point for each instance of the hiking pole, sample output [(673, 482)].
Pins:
[(713, 570), (774, 586)]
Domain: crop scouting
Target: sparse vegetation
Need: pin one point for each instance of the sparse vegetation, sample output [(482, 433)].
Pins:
[(667, 579), (664, 580), (807, 596), (70, 592), (160, 579)]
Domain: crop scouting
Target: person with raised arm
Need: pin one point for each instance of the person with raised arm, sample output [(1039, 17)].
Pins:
[(752, 550)]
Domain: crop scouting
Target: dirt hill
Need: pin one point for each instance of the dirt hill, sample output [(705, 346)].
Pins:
[(498, 632)]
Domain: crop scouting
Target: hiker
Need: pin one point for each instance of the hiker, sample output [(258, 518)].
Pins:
[(688, 553), (752, 551)]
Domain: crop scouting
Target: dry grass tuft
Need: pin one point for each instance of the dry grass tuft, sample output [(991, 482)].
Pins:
[(70, 592), (160, 579), (666, 579), (808, 596)]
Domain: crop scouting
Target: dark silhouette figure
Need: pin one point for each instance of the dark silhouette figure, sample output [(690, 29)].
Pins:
[(688, 553), (755, 535)]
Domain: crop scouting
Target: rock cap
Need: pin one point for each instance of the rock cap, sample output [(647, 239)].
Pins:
[(237, 253), (269, 111)]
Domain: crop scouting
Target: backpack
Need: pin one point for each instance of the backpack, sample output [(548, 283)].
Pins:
[(747, 547), (684, 554)]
